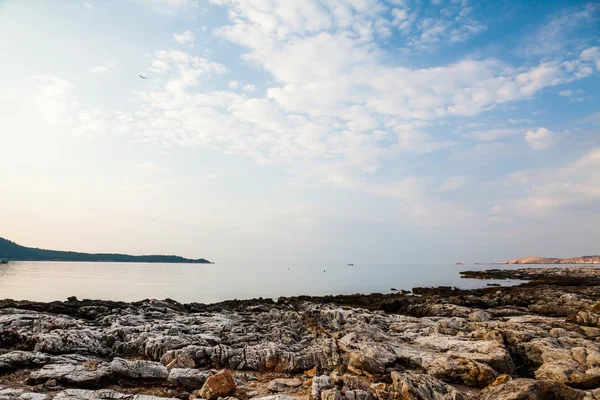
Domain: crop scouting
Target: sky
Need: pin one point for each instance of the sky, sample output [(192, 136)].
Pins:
[(268, 131)]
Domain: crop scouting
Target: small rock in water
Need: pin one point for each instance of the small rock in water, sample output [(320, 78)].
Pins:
[(394, 289), (71, 298)]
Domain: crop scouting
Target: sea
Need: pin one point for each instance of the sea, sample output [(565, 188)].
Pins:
[(211, 283)]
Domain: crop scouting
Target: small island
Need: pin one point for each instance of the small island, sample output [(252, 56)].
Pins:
[(15, 252)]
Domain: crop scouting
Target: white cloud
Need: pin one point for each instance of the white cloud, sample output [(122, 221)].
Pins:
[(335, 102), (55, 99), (171, 7), (454, 183), (491, 135), (496, 210), (554, 36), (87, 6), (542, 192), (159, 66), (184, 37), (592, 118), (541, 139), (591, 55), (568, 93), (105, 68), (519, 121)]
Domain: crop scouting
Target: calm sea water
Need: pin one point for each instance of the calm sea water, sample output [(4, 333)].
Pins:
[(209, 283)]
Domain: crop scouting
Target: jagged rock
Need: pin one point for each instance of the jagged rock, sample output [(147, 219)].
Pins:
[(79, 394), (72, 375), (20, 394), (139, 369), (180, 361), (412, 386), (357, 394), (462, 370), (282, 384), (104, 394), (189, 378), (331, 394), (380, 390), (219, 385), (319, 384), (530, 389), (22, 359), (274, 397)]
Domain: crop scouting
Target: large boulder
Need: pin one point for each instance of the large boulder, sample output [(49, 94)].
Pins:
[(411, 386), (189, 378), (219, 385), (461, 370), (139, 369), (319, 383)]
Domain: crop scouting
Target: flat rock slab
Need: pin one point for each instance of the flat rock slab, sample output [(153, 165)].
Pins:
[(19, 394), (84, 376), (189, 378), (282, 384), (139, 369), (274, 397)]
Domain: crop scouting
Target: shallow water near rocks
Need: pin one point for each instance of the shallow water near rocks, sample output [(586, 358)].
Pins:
[(210, 283)]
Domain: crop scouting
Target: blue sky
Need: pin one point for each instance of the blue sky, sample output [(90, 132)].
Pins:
[(314, 131)]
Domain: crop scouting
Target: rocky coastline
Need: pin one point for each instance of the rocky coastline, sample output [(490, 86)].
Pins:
[(539, 340)]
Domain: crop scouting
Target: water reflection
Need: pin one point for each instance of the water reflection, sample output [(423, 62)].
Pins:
[(207, 283)]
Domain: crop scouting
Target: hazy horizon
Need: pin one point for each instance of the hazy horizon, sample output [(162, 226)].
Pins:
[(363, 131)]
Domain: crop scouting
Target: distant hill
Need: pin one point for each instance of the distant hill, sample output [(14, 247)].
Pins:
[(15, 252), (546, 260)]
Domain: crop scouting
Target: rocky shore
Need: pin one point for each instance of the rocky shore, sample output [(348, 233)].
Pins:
[(540, 340)]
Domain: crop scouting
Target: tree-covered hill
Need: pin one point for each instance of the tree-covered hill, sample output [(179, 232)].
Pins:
[(15, 252)]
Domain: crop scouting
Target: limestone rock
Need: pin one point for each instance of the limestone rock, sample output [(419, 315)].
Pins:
[(530, 389), (462, 370), (139, 369), (275, 397), (189, 378), (180, 361), (219, 385), (282, 384), (331, 394), (319, 384), (20, 394), (72, 375), (411, 386)]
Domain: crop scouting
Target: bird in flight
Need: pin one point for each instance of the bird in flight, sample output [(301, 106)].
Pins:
[(143, 77)]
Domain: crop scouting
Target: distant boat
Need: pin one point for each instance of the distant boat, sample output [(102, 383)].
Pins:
[(350, 265), (3, 260), (461, 263)]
